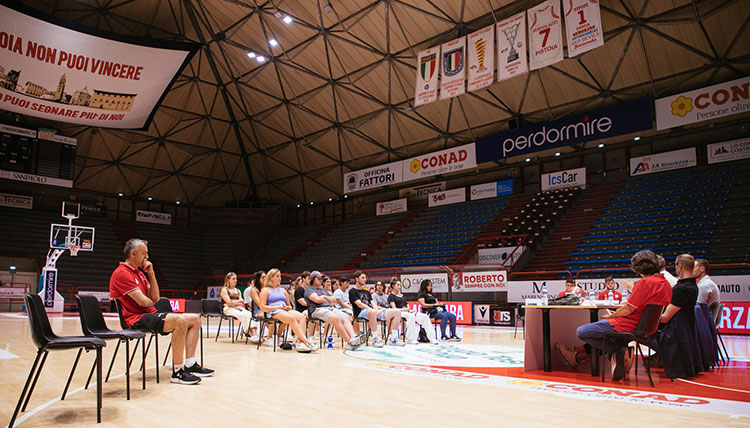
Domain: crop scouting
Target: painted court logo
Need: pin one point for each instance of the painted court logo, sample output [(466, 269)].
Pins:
[(445, 355)]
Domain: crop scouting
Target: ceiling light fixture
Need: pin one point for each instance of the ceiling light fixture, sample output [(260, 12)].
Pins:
[(346, 196), (557, 154), (119, 194), (273, 42), (150, 198), (260, 58), (636, 138), (528, 159), (177, 202), (251, 54), (312, 203), (330, 199), (600, 145), (287, 19)]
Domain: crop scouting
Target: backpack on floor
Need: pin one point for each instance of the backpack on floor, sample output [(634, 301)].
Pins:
[(423, 336)]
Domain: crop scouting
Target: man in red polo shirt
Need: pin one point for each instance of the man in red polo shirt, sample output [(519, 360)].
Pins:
[(609, 282), (134, 284), (652, 289)]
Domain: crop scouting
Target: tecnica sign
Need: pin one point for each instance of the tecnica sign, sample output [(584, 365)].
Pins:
[(620, 119)]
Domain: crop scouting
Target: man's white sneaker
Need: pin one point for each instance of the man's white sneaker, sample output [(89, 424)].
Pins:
[(393, 340), (304, 348)]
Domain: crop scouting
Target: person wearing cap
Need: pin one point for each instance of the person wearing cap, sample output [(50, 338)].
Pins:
[(320, 306)]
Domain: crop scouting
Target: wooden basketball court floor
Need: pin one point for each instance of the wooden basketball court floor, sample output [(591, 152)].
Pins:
[(477, 383)]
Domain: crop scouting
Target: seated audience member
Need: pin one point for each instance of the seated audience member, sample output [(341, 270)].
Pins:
[(299, 293), (234, 305), (365, 309), (609, 283), (708, 291), (252, 297), (379, 296), (274, 301), (335, 285), (290, 291), (397, 301), (134, 284), (342, 296), (668, 276), (651, 289), (432, 307), (320, 306), (571, 288), (677, 347)]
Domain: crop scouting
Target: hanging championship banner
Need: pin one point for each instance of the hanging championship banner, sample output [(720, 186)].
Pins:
[(481, 58), (545, 34), (453, 68), (59, 71), (583, 24), (427, 76), (511, 47)]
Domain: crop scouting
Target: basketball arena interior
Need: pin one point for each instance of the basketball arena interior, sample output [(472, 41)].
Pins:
[(496, 164)]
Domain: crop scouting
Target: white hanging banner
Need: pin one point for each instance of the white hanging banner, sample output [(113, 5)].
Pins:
[(448, 197), (511, 47), (481, 49), (391, 207), (453, 68), (427, 76), (545, 34), (583, 24)]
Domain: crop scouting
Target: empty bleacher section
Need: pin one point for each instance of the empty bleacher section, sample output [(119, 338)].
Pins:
[(437, 235), (282, 247), (176, 251), (334, 250), (697, 211)]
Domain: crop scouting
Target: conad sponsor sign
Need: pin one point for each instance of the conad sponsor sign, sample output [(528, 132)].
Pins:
[(410, 282), (724, 99), (479, 281), (442, 162), (153, 217)]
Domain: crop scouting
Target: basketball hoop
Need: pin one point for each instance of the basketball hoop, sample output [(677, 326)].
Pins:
[(74, 250)]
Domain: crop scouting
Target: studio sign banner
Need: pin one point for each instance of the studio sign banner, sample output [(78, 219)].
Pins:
[(56, 73), (620, 119)]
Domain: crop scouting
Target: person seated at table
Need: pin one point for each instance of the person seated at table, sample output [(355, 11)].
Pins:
[(609, 283), (677, 344), (708, 292), (432, 307), (571, 288), (652, 289), (234, 305)]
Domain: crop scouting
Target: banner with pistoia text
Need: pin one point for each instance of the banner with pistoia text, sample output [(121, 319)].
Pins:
[(427, 76), (583, 24), (453, 70), (56, 73), (712, 102), (481, 47), (545, 34), (511, 47)]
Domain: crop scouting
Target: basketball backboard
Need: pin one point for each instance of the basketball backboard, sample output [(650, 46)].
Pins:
[(62, 235)]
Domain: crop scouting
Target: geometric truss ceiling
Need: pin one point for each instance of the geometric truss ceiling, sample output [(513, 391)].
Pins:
[(337, 92)]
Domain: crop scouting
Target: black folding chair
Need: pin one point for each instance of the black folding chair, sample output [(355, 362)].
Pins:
[(154, 333), (46, 340), (93, 325), (647, 327), (211, 308), (717, 319)]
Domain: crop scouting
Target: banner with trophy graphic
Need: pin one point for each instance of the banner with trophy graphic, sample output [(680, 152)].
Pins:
[(427, 76), (453, 68), (511, 47), (545, 34), (481, 49), (583, 24)]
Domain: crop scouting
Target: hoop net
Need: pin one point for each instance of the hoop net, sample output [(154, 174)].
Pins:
[(74, 250)]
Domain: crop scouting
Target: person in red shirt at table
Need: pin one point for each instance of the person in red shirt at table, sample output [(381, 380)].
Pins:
[(652, 289), (610, 284), (134, 284), (571, 288)]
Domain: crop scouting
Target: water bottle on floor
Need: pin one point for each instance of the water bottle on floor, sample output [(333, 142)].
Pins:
[(545, 296), (330, 342)]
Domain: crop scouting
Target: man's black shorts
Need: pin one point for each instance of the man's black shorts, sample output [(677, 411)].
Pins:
[(151, 322)]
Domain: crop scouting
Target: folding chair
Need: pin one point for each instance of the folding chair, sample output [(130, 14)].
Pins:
[(211, 308), (93, 325), (717, 317), (154, 333), (46, 340)]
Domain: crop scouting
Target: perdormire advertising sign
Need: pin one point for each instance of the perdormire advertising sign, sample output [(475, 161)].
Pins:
[(56, 73), (729, 151), (442, 162), (369, 178), (562, 179), (491, 190), (391, 207), (447, 197), (421, 192), (153, 217), (666, 161), (410, 282), (479, 281), (620, 119), (713, 102)]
